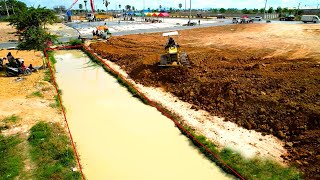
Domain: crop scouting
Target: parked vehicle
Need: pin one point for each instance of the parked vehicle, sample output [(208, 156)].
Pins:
[(246, 21), (257, 18), (90, 17), (310, 18), (288, 18), (220, 16), (199, 16), (1, 64), (16, 71), (236, 20)]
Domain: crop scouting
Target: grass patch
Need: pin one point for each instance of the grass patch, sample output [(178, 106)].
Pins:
[(8, 122), (47, 76), (52, 152), (11, 161), (56, 98), (119, 79), (36, 94), (74, 42), (52, 59), (11, 119)]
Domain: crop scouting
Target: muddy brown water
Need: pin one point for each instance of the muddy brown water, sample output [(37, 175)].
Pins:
[(117, 136)]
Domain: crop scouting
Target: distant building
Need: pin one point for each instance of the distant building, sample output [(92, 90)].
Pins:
[(310, 11)]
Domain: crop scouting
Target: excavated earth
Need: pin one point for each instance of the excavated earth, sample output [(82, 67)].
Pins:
[(264, 77)]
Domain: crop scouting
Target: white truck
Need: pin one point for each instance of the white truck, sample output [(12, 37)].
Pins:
[(90, 17), (310, 18)]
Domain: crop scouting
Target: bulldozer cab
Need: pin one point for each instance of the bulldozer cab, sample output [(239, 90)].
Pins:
[(173, 56), (171, 43)]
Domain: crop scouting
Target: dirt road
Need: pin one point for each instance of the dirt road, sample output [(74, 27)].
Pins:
[(264, 77)]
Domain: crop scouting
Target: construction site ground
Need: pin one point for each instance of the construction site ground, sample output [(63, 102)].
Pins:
[(264, 77)]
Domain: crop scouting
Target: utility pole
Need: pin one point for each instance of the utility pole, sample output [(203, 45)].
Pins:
[(190, 13), (298, 8), (5, 4), (185, 5), (85, 4), (264, 13), (143, 10)]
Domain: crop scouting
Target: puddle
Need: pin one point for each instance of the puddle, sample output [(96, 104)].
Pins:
[(117, 136)]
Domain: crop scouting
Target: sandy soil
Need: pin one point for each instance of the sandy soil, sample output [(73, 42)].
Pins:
[(7, 32), (16, 99), (61, 30), (263, 77)]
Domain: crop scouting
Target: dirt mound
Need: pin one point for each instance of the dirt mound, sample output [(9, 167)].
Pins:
[(236, 75)]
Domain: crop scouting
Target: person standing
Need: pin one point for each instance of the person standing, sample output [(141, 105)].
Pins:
[(199, 22)]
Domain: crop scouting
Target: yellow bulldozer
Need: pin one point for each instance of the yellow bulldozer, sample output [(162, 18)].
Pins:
[(173, 56)]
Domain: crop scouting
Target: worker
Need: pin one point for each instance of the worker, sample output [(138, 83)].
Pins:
[(199, 22), (11, 60), (171, 43)]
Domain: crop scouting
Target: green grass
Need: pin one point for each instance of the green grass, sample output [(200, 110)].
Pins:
[(52, 59), (36, 94), (11, 119), (11, 161), (56, 98), (52, 152), (56, 104), (74, 42), (47, 76)]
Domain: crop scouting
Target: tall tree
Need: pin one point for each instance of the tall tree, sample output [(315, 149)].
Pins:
[(128, 7), (222, 10), (31, 23), (13, 6), (278, 10), (180, 6), (270, 10), (133, 8), (261, 10)]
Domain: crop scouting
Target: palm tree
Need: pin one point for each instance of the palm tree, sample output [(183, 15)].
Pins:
[(160, 8), (119, 6), (180, 6), (133, 8), (128, 7)]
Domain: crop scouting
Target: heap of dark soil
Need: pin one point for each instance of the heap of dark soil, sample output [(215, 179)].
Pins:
[(274, 96)]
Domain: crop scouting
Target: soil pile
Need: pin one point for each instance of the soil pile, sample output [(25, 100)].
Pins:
[(262, 77)]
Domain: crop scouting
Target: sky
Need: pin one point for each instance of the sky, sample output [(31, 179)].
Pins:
[(198, 4)]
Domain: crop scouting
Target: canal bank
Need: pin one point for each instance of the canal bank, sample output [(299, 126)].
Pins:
[(117, 136)]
